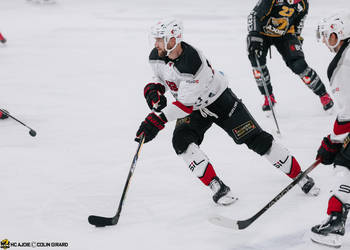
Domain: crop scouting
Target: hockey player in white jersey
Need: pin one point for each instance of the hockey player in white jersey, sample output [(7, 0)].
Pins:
[(334, 31), (202, 97)]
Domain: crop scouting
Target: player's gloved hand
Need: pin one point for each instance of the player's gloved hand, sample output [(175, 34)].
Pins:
[(3, 114), (328, 150), (151, 126), (154, 94), (255, 43)]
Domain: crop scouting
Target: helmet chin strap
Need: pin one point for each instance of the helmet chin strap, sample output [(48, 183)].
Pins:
[(166, 45), (332, 47)]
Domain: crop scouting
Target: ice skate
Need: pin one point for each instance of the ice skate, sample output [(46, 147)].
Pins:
[(308, 186), (331, 232), (222, 194)]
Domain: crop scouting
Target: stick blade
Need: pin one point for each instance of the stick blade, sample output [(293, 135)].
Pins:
[(224, 222), (100, 221)]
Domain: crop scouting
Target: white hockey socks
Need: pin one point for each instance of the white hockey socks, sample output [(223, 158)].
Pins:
[(341, 190), (199, 163), (280, 157)]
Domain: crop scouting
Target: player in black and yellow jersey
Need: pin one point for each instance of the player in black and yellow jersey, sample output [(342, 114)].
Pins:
[(279, 23)]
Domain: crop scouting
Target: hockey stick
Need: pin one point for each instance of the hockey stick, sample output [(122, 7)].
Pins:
[(100, 221), (31, 131), (242, 224), (267, 93)]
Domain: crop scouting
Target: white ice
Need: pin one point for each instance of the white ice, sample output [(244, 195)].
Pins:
[(75, 72)]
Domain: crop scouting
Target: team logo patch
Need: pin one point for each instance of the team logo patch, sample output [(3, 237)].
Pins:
[(257, 74), (186, 120), (306, 79), (244, 129), (346, 141)]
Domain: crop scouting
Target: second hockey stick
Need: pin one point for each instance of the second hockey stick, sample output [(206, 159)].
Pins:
[(267, 93), (32, 132), (242, 224), (100, 221)]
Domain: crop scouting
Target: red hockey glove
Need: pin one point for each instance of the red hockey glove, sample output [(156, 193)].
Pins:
[(154, 94), (328, 150), (3, 114), (151, 126), (2, 39)]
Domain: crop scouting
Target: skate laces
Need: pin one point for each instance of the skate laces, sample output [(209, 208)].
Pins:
[(325, 99)]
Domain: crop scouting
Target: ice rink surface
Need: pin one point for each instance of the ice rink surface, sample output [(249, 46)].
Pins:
[(75, 72)]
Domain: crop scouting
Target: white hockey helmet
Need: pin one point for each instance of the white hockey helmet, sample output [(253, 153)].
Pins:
[(338, 23), (167, 29)]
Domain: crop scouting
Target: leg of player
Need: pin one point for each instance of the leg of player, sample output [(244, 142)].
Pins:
[(281, 158), (188, 134), (331, 231), (291, 50), (242, 127), (265, 73)]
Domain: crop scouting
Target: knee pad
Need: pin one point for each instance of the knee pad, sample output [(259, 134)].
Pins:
[(183, 138), (261, 143), (298, 66)]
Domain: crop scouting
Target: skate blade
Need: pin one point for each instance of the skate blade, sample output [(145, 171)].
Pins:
[(226, 201), (314, 191), (331, 240)]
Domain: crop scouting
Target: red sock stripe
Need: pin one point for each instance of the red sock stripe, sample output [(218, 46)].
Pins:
[(341, 127), (295, 168), (209, 174), (334, 205)]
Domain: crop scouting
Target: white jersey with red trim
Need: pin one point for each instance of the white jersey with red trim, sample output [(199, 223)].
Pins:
[(191, 80), (339, 77)]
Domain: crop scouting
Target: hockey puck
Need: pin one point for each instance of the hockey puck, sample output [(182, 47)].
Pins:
[(32, 132)]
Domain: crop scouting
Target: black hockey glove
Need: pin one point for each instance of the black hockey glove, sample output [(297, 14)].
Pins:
[(328, 150), (151, 126), (154, 94), (255, 44)]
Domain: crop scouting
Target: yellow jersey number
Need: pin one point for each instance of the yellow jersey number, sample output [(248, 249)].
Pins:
[(288, 12)]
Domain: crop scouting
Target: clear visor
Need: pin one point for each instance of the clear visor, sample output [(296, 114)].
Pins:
[(321, 33)]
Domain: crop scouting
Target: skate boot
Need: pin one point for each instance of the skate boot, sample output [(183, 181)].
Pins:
[(222, 194), (307, 185), (331, 232), (326, 101), (3, 115), (266, 106)]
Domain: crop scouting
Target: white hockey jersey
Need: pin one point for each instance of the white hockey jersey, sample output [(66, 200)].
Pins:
[(339, 78), (190, 79)]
